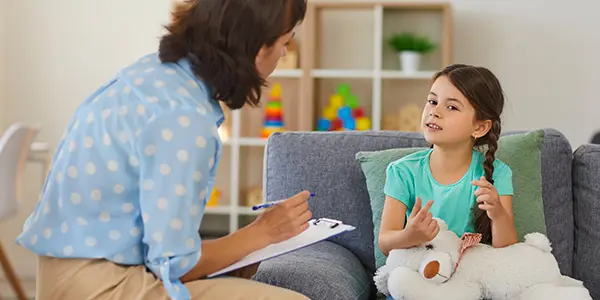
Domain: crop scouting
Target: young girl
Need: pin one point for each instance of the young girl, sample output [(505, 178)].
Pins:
[(469, 189)]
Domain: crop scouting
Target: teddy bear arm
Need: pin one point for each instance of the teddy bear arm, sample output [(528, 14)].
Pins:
[(381, 279), (515, 268), (551, 291)]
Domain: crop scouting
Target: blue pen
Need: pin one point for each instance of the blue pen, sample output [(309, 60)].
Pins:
[(267, 205)]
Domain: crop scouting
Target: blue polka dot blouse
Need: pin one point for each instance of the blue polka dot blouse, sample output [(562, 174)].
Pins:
[(132, 174)]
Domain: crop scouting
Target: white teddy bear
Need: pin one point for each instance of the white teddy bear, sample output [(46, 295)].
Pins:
[(451, 268)]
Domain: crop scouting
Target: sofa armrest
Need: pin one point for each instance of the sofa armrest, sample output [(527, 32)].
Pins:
[(586, 196), (324, 270)]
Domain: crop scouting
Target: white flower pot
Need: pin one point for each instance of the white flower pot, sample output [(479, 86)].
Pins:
[(410, 61)]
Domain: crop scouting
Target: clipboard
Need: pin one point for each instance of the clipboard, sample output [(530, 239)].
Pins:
[(318, 230)]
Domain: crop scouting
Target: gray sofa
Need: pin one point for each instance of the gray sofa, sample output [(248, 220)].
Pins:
[(343, 267)]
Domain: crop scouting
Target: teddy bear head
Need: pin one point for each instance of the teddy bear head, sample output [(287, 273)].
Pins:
[(436, 260)]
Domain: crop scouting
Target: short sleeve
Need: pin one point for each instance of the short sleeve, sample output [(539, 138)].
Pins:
[(399, 183), (503, 179), (176, 151)]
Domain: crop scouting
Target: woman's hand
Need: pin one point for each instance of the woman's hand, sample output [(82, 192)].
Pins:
[(285, 220), (276, 224), (420, 226), (488, 199)]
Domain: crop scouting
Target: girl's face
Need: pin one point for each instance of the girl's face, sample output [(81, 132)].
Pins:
[(268, 57), (448, 117)]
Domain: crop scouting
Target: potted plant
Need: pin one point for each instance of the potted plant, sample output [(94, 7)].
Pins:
[(410, 48)]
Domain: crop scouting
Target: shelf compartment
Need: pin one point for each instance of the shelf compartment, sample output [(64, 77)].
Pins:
[(402, 104), (222, 181), (328, 100), (245, 220), (250, 177), (423, 21), (253, 119), (214, 226), (340, 39)]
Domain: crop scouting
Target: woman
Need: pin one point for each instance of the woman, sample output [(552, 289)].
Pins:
[(119, 213)]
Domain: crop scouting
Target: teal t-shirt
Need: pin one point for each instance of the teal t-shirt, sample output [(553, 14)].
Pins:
[(410, 177)]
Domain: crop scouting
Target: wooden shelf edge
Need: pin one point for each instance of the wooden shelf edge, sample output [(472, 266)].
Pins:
[(343, 74), (253, 142), (246, 141), (217, 210), (365, 4), (286, 73), (390, 74)]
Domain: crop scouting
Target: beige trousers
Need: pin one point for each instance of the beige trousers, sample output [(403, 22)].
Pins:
[(82, 279)]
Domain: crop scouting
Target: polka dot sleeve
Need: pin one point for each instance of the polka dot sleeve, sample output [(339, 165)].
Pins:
[(176, 153)]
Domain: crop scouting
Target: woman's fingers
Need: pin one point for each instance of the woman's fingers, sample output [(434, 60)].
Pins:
[(303, 218), (298, 199)]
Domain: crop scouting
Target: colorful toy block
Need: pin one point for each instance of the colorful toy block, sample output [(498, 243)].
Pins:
[(273, 120), (343, 112)]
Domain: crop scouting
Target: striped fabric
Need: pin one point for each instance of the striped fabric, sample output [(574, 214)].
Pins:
[(467, 240)]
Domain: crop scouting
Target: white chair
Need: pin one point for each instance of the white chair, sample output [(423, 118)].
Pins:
[(14, 149)]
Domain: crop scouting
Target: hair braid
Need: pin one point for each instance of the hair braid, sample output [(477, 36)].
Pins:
[(483, 223), (492, 147)]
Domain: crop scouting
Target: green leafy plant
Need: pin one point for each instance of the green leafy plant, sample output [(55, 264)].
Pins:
[(410, 42)]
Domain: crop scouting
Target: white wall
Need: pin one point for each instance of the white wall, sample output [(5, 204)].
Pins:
[(57, 52), (546, 55), (2, 68)]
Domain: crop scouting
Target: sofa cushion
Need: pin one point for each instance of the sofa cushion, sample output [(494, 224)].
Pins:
[(521, 152), (321, 271), (586, 192), (324, 163)]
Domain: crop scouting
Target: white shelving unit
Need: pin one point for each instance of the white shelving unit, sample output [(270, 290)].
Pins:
[(341, 41), (234, 142), (361, 28)]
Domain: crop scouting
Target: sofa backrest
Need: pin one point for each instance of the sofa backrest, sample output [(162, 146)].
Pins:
[(557, 194), (325, 164)]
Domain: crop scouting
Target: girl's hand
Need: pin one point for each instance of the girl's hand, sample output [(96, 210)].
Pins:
[(420, 226), (488, 199)]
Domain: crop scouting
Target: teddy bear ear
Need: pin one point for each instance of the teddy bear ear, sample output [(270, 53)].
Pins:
[(443, 225)]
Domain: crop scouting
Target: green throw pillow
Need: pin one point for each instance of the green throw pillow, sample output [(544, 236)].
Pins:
[(521, 152)]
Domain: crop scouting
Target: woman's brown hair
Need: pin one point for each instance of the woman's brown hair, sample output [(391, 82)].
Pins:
[(482, 89), (221, 39)]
